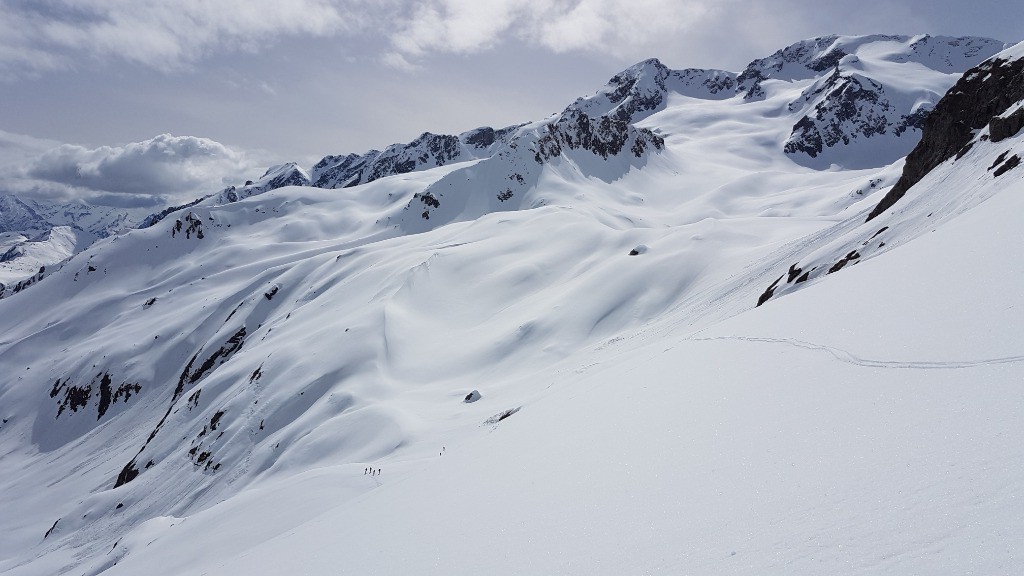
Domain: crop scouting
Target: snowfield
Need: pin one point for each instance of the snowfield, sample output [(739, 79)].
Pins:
[(658, 392)]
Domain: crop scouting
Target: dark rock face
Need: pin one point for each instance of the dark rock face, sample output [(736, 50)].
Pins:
[(1010, 163), (769, 292), (983, 93), (76, 397), (851, 257), (642, 89), (501, 415), (201, 454), (602, 136), (849, 107), (192, 226), (341, 171), (10, 290), (481, 137), (1000, 128)]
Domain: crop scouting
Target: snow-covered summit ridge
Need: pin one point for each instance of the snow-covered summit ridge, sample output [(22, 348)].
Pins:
[(287, 174), (851, 102), (426, 151)]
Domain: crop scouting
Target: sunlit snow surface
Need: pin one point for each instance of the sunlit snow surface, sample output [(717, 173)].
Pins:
[(864, 424)]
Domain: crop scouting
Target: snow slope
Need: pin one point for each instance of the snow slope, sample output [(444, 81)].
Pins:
[(207, 394), (870, 437)]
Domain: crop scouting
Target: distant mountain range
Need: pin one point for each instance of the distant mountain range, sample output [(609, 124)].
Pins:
[(851, 113)]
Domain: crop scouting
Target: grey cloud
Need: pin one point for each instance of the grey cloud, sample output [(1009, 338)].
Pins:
[(164, 164), (128, 200), (148, 173)]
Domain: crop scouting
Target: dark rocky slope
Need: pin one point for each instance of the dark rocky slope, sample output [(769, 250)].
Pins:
[(974, 102)]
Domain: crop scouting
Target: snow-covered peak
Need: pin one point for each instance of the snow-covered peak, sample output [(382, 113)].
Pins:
[(1014, 52), (288, 174), (810, 58), (642, 89), (630, 95)]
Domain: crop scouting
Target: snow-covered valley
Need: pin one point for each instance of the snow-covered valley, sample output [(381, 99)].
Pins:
[(691, 350)]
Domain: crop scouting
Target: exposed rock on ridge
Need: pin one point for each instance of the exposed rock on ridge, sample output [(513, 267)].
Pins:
[(427, 151)]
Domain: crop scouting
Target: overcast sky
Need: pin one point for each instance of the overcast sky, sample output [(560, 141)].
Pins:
[(143, 103)]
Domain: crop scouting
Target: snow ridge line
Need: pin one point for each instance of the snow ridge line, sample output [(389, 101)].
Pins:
[(850, 358)]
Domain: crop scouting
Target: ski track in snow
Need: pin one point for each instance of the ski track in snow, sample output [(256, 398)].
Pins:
[(850, 358)]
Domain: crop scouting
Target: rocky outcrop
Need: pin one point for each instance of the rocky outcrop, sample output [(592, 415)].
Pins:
[(848, 107), (604, 136), (190, 375), (1006, 126), (427, 151), (154, 218), (980, 97), (72, 397)]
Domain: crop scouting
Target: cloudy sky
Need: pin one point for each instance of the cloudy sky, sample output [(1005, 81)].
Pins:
[(144, 103)]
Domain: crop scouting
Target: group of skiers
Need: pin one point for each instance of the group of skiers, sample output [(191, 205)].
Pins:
[(371, 471)]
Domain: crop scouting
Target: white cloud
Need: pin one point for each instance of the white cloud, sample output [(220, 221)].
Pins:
[(606, 26), (460, 26), (397, 61), (161, 170), (165, 34)]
